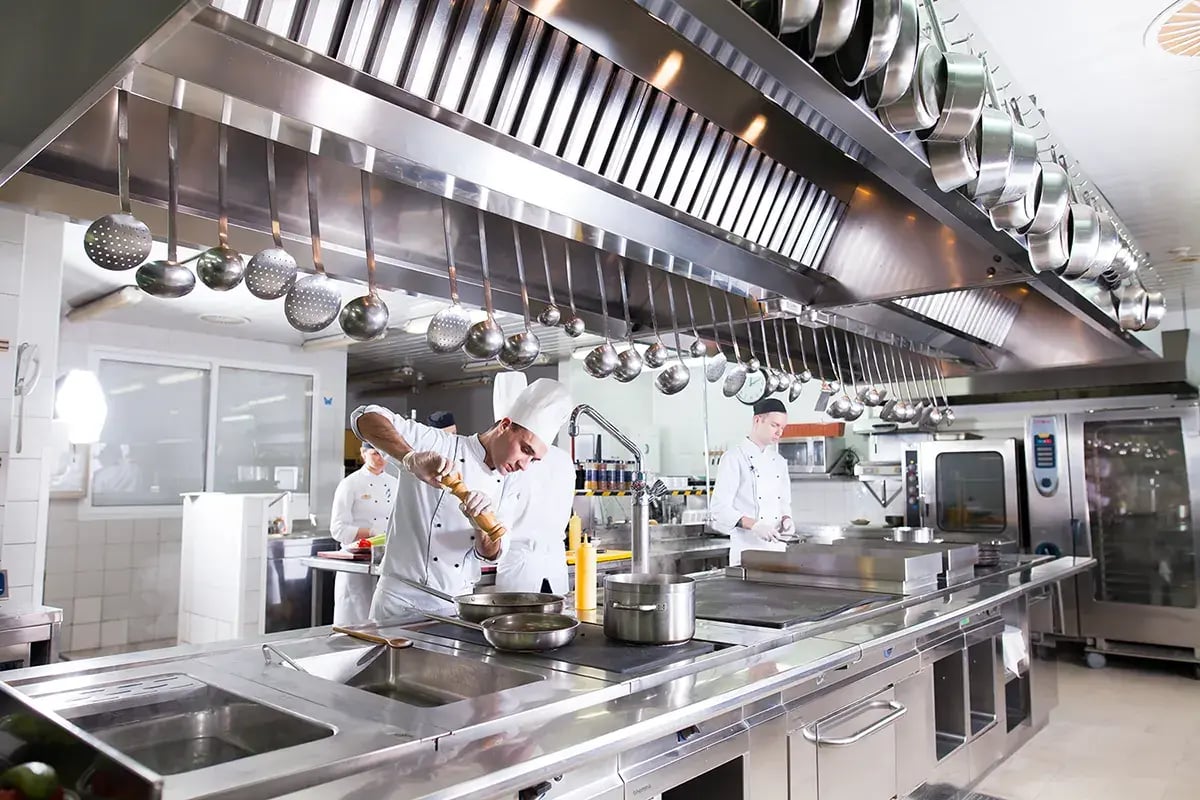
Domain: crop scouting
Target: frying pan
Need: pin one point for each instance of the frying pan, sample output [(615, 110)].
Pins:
[(477, 608), (520, 633)]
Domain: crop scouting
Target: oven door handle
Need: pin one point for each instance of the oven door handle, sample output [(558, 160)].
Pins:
[(898, 710)]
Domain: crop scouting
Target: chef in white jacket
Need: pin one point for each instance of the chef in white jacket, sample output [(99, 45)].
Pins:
[(432, 539), (362, 505), (752, 497), (536, 557)]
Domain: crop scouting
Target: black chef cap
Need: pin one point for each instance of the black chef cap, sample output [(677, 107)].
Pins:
[(769, 406), (441, 419)]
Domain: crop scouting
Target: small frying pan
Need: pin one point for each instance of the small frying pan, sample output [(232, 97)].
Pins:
[(520, 633), (485, 605)]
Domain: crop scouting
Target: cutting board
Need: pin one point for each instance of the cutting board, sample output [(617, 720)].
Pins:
[(603, 556), (342, 555)]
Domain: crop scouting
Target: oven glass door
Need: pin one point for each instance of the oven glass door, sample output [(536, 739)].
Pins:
[(971, 491), (796, 454), (1139, 509)]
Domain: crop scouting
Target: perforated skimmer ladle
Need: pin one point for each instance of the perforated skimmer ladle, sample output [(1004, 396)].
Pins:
[(272, 270), (448, 328), (119, 241), (314, 301)]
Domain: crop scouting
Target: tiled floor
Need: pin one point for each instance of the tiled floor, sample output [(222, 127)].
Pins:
[(1131, 731)]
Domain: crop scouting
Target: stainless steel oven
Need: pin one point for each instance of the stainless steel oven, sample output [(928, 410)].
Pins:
[(971, 490)]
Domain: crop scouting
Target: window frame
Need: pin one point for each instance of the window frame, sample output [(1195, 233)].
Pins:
[(213, 366)]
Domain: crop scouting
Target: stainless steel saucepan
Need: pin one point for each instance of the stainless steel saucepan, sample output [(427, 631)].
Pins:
[(519, 633), (648, 608), (959, 85), (890, 82)]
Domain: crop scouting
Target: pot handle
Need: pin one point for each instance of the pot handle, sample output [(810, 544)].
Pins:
[(624, 607)]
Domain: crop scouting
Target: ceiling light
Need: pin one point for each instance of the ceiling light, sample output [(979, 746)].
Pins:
[(180, 377), (118, 298), (223, 319), (1176, 30)]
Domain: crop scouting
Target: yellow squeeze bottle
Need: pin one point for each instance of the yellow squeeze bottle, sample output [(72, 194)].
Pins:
[(585, 576), (574, 533)]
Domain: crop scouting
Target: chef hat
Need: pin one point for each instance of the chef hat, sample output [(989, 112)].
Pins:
[(541, 408), (441, 419), (505, 388)]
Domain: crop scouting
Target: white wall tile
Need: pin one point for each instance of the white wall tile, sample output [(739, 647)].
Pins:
[(118, 531), (61, 586), (10, 267), (12, 227), (86, 609), (85, 637), (24, 479), (62, 533), (115, 607), (145, 530), (36, 437), (114, 633), (89, 557), (91, 531), (20, 522), (143, 629), (117, 582), (171, 529), (60, 559), (18, 560), (89, 584), (20, 594), (118, 556)]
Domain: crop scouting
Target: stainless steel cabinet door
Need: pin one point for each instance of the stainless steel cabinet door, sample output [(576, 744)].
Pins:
[(855, 750)]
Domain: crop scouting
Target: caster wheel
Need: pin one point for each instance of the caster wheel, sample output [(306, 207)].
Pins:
[(1096, 660)]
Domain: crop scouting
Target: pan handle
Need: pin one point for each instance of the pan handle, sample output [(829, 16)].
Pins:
[(438, 593), (475, 626), (625, 607)]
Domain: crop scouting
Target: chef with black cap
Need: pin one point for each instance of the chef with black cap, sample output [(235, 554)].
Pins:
[(752, 498), (443, 421)]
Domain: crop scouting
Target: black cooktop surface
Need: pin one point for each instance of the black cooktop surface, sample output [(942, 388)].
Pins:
[(771, 605), (592, 649)]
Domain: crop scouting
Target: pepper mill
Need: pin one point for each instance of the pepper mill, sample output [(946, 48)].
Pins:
[(486, 521)]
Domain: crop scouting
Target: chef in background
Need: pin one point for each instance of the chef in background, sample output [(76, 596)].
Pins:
[(443, 421), (536, 558), (362, 505), (432, 538), (752, 497)]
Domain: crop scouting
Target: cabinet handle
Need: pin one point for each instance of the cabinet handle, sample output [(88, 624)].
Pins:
[(535, 792), (898, 711)]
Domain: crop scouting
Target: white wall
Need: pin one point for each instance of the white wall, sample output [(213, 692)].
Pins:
[(117, 578)]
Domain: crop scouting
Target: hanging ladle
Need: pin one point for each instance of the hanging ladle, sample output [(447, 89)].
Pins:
[(448, 328), (674, 378), (879, 374), (714, 367), (549, 316), (168, 278), (868, 393), (366, 318), (796, 386), (221, 268), (656, 355), (758, 382), (603, 359), (629, 362), (856, 406), (314, 301), (735, 375), (573, 325), (119, 241), (523, 347), (785, 375), (485, 339), (841, 405), (948, 415), (272, 270), (698, 348), (888, 412), (805, 374)]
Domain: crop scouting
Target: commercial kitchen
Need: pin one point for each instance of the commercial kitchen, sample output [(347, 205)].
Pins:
[(830, 358)]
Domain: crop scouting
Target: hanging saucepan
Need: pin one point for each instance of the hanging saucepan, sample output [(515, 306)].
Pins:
[(1106, 251), (918, 106), (831, 26), (1131, 306), (795, 15), (955, 164), (1049, 251), (1018, 214), (1156, 309), (959, 86), (1083, 240), (871, 42), (1023, 165), (994, 136), (889, 83), (766, 13), (1050, 198)]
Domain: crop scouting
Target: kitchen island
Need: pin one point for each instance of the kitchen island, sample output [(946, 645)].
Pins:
[(914, 684)]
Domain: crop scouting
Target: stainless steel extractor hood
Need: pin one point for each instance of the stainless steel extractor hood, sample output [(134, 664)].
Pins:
[(597, 123)]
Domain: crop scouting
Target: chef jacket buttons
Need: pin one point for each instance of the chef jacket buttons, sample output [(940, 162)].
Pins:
[(435, 558)]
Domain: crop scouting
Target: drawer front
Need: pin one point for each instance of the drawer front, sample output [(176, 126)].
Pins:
[(849, 741)]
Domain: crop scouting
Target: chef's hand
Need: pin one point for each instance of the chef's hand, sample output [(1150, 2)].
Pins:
[(765, 531), (427, 466), (477, 503), (787, 527)]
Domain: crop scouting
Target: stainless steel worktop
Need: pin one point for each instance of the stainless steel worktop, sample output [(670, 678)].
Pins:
[(560, 718)]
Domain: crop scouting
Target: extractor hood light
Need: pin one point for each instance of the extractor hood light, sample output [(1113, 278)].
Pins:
[(755, 129), (667, 71), (118, 298)]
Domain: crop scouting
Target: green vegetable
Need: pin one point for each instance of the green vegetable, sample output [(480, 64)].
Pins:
[(34, 779)]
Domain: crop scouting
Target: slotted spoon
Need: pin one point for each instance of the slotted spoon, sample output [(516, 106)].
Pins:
[(119, 241), (448, 329)]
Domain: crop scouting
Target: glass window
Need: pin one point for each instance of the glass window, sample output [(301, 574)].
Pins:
[(1140, 512), (264, 431), (970, 492), (152, 447)]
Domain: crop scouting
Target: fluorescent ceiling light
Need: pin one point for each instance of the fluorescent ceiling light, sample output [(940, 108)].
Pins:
[(180, 377), (238, 418), (118, 298)]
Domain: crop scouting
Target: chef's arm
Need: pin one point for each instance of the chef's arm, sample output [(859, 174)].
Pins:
[(376, 429), (724, 518), (341, 524)]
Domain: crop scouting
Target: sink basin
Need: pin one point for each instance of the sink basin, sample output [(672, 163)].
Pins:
[(416, 677), (181, 724)]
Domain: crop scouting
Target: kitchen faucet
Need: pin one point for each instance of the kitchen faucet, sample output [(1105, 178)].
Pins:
[(640, 529)]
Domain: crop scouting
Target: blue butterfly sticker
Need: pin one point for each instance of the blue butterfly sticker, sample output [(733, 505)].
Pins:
[(328, 401)]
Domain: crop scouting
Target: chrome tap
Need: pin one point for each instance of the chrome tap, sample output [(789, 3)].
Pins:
[(640, 528)]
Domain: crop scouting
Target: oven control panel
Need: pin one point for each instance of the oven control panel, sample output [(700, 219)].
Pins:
[(912, 490), (1043, 444)]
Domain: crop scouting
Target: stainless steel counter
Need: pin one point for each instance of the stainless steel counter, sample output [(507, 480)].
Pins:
[(540, 718)]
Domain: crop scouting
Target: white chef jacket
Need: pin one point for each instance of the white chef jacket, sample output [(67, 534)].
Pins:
[(362, 500), (430, 540), (751, 482), (536, 549)]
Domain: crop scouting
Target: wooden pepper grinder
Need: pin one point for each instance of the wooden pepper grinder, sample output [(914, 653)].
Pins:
[(486, 521)]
